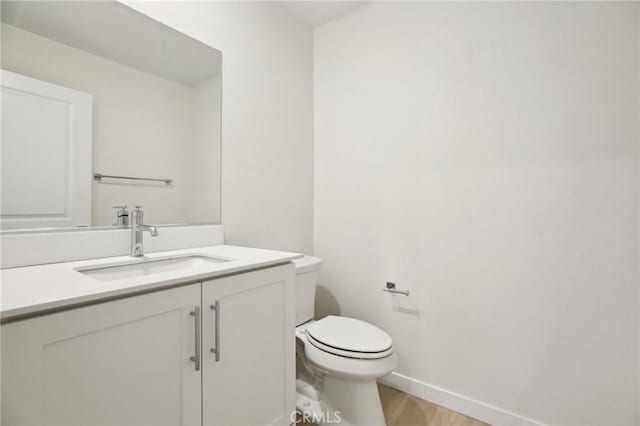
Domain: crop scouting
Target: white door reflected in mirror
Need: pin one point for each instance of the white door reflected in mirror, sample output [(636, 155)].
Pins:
[(46, 154)]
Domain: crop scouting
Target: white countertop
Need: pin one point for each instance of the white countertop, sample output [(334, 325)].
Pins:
[(29, 290)]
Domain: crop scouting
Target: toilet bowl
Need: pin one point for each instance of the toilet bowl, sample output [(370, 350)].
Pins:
[(338, 360)]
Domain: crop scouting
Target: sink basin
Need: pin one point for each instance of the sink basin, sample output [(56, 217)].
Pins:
[(145, 266)]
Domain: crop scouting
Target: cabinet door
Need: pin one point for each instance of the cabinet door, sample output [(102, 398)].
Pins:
[(251, 382), (124, 362)]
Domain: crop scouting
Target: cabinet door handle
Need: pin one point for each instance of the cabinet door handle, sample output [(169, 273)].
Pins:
[(216, 349), (196, 358)]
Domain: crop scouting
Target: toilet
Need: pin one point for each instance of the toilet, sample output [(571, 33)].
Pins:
[(338, 360)]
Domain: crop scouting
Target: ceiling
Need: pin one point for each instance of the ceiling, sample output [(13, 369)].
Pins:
[(114, 31), (316, 13)]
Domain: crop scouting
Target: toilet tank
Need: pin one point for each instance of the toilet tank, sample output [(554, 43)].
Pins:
[(306, 279)]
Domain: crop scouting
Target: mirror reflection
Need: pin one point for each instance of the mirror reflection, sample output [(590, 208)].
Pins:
[(104, 109)]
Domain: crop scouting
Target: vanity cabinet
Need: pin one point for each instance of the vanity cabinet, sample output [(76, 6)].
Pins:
[(249, 349), (147, 359), (124, 362)]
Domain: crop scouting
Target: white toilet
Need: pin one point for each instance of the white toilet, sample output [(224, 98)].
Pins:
[(338, 360)]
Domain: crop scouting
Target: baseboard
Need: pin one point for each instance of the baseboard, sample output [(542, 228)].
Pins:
[(460, 403)]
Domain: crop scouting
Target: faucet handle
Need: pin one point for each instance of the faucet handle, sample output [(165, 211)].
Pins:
[(122, 216), (139, 207), (122, 210), (137, 216)]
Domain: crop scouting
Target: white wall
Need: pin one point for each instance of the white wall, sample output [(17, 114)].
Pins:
[(267, 173), (485, 157), (207, 111), (143, 125)]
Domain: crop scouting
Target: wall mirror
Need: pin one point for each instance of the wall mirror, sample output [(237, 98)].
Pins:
[(105, 107)]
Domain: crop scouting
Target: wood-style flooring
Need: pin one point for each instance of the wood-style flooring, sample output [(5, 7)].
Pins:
[(401, 409)]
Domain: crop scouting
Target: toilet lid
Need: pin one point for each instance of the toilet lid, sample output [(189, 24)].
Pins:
[(349, 334)]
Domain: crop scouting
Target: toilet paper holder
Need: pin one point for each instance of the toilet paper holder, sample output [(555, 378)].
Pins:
[(391, 288)]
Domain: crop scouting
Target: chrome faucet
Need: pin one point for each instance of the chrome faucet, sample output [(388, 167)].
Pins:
[(137, 228)]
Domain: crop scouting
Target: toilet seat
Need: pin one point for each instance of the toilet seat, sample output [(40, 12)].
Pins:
[(340, 366), (348, 354), (349, 337)]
